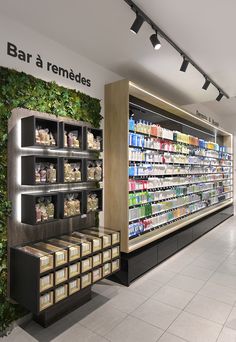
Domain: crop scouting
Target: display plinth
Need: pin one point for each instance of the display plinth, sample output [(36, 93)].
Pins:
[(59, 310), (138, 262)]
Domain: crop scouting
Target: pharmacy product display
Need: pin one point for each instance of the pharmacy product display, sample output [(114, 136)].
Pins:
[(173, 171), (60, 267), (201, 175)]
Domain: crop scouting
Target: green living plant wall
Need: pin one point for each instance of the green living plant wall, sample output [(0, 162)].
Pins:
[(19, 90)]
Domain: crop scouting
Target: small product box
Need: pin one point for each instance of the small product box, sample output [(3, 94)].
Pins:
[(115, 252), (97, 274), (106, 255), (85, 245), (106, 269), (74, 250), (106, 238), (86, 280), (86, 265), (96, 241), (61, 255), (97, 259), (46, 282), (61, 275), (74, 286), (61, 292), (115, 235), (46, 259), (74, 270), (46, 300), (115, 265)]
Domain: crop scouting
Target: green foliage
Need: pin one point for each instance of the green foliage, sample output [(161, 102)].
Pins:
[(19, 90)]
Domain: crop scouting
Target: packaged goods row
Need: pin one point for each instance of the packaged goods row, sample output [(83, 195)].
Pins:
[(154, 208), (155, 222), (147, 169), (137, 155), (142, 197), (155, 182), (144, 143), (155, 130)]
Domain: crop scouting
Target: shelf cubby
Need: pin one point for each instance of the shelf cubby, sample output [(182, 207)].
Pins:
[(65, 141), (28, 208), (91, 170), (28, 170), (97, 134), (99, 196), (30, 124), (71, 203), (67, 176)]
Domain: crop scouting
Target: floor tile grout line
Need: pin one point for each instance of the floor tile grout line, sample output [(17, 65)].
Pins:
[(224, 326), (197, 293), (170, 333), (109, 329)]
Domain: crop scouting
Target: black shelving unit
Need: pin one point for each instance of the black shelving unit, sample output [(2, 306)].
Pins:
[(74, 128), (28, 166), (62, 196), (28, 212), (27, 278), (28, 131), (71, 160), (99, 194), (97, 132)]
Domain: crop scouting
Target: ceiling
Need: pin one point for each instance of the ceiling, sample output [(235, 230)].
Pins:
[(99, 30)]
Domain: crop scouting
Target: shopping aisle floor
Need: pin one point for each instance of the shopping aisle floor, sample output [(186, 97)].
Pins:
[(190, 297)]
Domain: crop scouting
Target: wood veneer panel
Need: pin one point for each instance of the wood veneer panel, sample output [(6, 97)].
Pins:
[(116, 158)]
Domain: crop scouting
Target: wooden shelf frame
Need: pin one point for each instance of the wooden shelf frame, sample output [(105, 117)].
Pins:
[(116, 160)]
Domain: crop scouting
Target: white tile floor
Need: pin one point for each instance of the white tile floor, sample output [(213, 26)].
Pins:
[(190, 297)]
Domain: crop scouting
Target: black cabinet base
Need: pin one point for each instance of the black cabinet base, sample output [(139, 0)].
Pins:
[(136, 263), (59, 310)]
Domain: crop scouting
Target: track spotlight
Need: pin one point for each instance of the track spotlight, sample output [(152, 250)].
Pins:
[(219, 97), (184, 64), (155, 41), (138, 22), (206, 84)]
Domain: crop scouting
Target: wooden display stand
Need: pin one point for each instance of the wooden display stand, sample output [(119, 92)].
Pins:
[(145, 251), (30, 243)]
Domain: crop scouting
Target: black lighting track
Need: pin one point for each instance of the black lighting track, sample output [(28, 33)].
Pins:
[(161, 33)]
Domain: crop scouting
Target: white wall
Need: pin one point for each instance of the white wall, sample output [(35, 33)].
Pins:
[(34, 43), (50, 51)]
